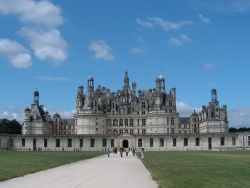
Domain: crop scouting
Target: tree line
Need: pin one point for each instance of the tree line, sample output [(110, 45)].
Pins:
[(10, 126), (241, 129)]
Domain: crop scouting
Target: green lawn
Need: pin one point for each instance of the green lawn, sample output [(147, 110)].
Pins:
[(14, 164), (199, 168)]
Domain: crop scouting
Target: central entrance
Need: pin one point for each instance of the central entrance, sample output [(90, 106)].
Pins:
[(125, 143)]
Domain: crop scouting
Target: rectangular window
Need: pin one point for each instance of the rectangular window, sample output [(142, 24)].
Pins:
[(23, 142), (126, 130), (131, 131), (143, 122), (121, 122), (138, 122), (174, 142), (185, 141), (233, 141), (143, 105), (120, 131), (143, 131), (104, 142), (70, 143), (112, 142), (81, 142), (170, 103), (57, 142), (161, 142), (197, 141), (131, 122), (172, 130), (140, 142), (172, 120), (167, 130), (151, 142), (92, 142), (222, 141), (249, 140), (45, 143), (167, 120), (126, 122)]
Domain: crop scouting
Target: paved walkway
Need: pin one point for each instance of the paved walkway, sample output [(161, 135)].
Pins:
[(103, 171)]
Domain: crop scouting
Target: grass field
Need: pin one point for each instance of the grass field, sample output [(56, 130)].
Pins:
[(14, 164), (199, 168)]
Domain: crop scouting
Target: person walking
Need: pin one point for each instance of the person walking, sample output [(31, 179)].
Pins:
[(126, 150), (133, 151), (108, 152), (142, 153), (121, 151)]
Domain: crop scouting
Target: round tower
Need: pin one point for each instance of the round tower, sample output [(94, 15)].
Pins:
[(26, 123)]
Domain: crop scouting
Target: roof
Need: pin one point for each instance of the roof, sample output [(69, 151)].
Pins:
[(27, 109), (184, 120), (56, 115)]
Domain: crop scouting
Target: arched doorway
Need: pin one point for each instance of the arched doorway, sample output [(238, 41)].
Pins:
[(125, 143)]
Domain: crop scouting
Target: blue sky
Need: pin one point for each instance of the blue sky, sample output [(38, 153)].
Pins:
[(53, 46)]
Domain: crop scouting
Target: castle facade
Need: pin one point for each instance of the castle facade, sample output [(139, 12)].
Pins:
[(129, 117)]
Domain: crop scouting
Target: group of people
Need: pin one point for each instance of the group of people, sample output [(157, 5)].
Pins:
[(127, 150)]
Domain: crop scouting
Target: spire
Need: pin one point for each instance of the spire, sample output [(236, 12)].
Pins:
[(126, 79)]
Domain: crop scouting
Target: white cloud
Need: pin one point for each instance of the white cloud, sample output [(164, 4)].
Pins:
[(49, 78), (5, 113), (138, 50), (179, 41), (239, 117), (102, 50), (185, 110), (42, 13), (164, 24), (12, 112), (140, 47), (39, 21), (47, 45), (208, 66), (62, 113), (14, 115), (18, 56), (204, 19), (241, 6), (230, 6)]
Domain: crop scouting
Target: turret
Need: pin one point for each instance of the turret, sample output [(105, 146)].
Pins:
[(213, 95), (36, 97), (90, 83)]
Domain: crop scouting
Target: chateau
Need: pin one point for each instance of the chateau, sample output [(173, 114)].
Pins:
[(128, 117)]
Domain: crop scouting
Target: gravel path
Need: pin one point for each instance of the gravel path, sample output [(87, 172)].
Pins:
[(99, 172)]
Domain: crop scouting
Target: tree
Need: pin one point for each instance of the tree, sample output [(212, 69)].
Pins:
[(241, 129), (10, 126)]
